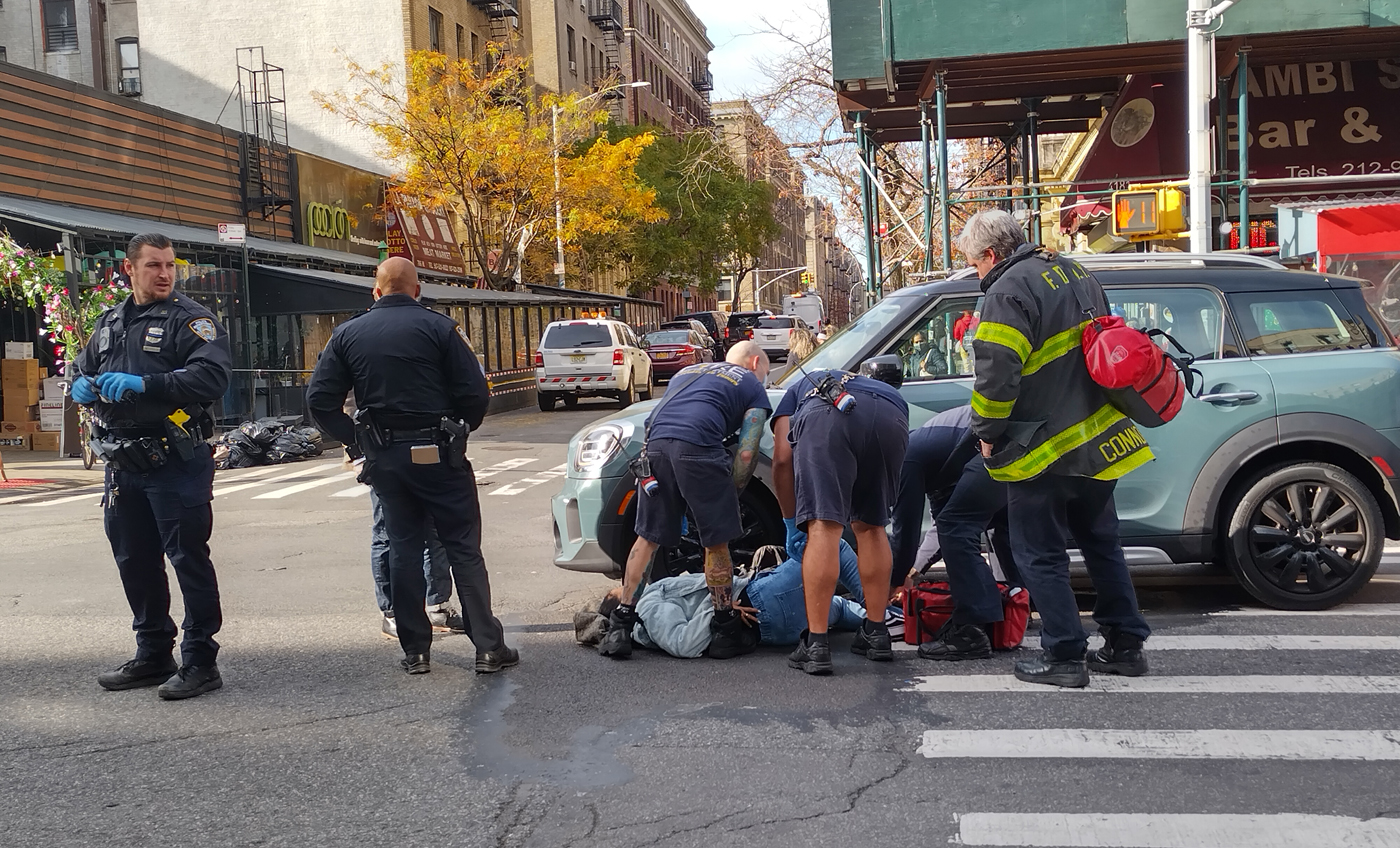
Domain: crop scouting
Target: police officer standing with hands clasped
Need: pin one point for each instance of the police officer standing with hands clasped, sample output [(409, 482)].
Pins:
[(419, 389), (149, 373)]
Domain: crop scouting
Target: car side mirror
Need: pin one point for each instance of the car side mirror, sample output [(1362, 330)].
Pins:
[(887, 369)]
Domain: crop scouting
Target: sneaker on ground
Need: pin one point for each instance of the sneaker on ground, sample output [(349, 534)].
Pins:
[(390, 627), (730, 636), (873, 642), (190, 681), (134, 674), (894, 621), (617, 642), (1072, 674), (964, 642), (813, 659), (1120, 654), (444, 618)]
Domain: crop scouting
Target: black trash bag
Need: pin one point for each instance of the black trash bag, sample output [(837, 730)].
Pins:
[(274, 457), (239, 458), (262, 434), (313, 438), (239, 439), (291, 445)]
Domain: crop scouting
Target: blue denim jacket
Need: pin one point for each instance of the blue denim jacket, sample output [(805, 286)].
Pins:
[(777, 594)]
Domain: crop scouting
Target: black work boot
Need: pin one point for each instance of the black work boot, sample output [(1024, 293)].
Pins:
[(617, 642), (415, 664), (873, 642), (1047, 669), (139, 672), (730, 636), (491, 662), (958, 642), (1121, 654), (813, 659), (189, 681)]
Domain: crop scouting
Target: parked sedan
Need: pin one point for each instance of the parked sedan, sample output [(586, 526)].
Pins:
[(672, 350)]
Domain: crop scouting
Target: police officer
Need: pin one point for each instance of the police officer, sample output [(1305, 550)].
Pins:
[(838, 444), (150, 371), (419, 389), (1044, 424)]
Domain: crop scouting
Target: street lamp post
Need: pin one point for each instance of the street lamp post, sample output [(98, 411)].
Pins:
[(558, 199), (1200, 71)]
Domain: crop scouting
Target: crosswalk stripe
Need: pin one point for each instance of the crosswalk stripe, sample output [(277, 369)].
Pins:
[(1205, 685), (355, 491), (506, 465), (250, 473), (85, 496), (1344, 609), (300, 473), (33, 496), (1138, 830), (302, 487), (1287, 642), (1079, 743), (529, 482)]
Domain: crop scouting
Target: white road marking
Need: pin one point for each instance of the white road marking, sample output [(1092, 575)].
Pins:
[(528, 482), (232, 475), (1255, 643), (37, 495), (1076, 743), (302, 472), (302, 487), (1344, 609), (507, 465), (1136, 830), (357, 491), (86, 496), (1211, 685)]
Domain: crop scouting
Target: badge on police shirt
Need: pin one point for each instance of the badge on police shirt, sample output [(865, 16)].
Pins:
[(154, 336), (463, 333), (204, 328)]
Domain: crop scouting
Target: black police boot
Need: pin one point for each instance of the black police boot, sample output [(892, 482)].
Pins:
[(190, 681), (617, 642), (139, 672), (491, 662), (813, 659), (956, 642), (415, 664), (873, 642), (730, 636), (1072, 674), (1121, 654)]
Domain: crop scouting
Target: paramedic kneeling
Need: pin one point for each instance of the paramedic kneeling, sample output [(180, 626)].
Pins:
[(839, 442), (689, 467)]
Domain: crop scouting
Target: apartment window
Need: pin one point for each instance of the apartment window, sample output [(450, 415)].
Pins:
[(4, 57), (434, 30), (129, 65), (461, 42), (476, 48), (60, 26), (573, 50)]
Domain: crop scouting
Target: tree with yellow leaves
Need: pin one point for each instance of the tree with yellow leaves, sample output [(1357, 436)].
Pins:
[(477, 139)]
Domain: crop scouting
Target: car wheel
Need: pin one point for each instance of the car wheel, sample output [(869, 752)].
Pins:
[(1305, 537), (570, 402), (628, 396), (762, 523), (546, 400), (647, 393)]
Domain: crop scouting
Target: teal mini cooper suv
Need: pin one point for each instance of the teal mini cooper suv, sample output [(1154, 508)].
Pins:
[(1283, 470)]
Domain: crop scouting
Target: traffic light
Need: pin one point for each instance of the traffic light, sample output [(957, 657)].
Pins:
[(806, 279), (1149, 212)]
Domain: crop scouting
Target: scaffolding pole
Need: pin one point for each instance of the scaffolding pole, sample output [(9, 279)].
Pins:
[(1037, 234), (925, 131), (1243, 125), (872, 270), (945, 212)]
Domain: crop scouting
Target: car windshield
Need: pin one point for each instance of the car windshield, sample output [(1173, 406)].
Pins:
[(840, 350), (775, 323), (576, 335), (670, 337)]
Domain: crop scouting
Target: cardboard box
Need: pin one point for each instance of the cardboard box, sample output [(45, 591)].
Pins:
[(19, 350), (20, 373), (51, 415), (14, 443), (18, 428), (44, 442), (19, 411), (51, 389), (19, 395)]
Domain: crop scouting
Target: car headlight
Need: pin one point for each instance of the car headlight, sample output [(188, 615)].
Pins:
[(600, 446)]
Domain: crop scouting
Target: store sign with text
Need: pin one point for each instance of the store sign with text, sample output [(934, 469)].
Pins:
[(339, 206), (424, 237)]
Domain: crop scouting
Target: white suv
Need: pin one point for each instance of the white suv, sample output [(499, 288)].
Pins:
[(774, 334), (591, 357)]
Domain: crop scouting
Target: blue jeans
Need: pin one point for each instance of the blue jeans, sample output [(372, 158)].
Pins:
[(782, 609), (1043, 513), (435, 566)]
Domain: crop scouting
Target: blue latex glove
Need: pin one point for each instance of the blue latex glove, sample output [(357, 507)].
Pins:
[(116, 385), (83, 391), (796, 541)]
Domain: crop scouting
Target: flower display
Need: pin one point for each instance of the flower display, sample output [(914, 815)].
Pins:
[(32, 279)]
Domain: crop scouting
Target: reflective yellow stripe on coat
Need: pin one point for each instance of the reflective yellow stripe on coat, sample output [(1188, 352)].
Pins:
[(1044, 455)]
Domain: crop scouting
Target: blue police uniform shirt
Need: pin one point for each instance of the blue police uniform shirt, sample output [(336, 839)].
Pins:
[(796, 396), (711, 407)]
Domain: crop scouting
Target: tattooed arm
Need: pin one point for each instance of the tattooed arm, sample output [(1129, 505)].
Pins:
[(750, 432)]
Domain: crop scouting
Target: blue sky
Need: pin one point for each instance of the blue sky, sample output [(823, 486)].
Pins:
[(731, 24)]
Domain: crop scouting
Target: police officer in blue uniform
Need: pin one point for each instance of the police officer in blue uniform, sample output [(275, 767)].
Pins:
[(419, 389), (149, 373)]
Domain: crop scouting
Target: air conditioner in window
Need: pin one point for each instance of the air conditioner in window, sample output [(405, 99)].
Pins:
[(573, 66), (129, 86), (666, 45)]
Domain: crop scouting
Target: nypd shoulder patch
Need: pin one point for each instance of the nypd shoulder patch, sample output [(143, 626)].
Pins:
[(463, 333), (204, 328)]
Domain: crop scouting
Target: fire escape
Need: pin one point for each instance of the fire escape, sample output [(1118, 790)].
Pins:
[(703, 81), (500, 13), (606, 15), (265, 160)]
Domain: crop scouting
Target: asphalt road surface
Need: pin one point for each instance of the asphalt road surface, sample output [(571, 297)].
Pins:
[(1256, 728)]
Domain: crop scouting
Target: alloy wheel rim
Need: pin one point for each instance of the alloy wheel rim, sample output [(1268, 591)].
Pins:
[(1307, 537)]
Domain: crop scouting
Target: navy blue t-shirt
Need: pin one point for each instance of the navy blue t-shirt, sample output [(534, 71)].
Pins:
[(711, 407), (796, 396)]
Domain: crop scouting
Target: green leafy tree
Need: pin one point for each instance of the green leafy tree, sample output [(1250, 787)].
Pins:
[(716, 221)]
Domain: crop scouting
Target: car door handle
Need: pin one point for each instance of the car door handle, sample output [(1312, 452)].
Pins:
[(1230, 397)]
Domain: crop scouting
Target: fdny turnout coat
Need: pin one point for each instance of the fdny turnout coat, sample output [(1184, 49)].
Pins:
[(1033, 398)]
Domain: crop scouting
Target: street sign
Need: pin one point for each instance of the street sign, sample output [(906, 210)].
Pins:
[(1149, 212), (233, 234)]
